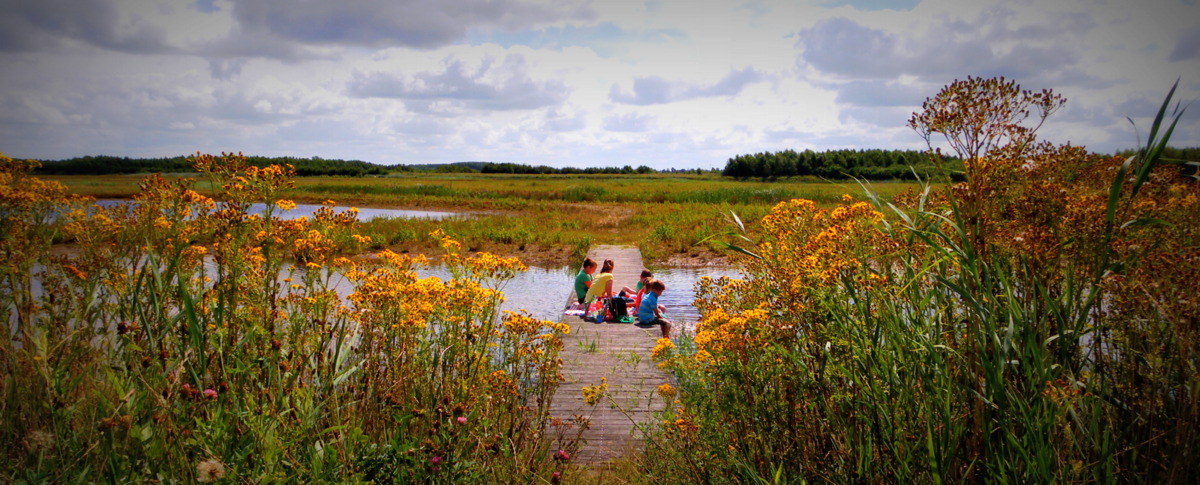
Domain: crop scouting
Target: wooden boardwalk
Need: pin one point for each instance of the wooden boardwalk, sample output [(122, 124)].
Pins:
[(620, 353)]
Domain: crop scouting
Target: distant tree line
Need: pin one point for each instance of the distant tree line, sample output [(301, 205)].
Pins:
[(543, 169), (1191, 154), (105, 165), (520, 168), (871, 164)]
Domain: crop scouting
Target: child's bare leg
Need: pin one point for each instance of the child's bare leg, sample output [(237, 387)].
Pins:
[(666, 329)]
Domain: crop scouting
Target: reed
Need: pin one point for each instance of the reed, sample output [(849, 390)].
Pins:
[(1000, 331)]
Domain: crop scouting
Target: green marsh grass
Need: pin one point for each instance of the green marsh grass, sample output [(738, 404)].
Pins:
[(548, 219)]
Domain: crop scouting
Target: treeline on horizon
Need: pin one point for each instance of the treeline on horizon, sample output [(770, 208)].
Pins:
[(1191, 154), (874, 164), (519, 168), (316, 166), (109, 165)]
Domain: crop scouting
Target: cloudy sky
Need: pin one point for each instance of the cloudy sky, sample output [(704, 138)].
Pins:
[(665, 83)]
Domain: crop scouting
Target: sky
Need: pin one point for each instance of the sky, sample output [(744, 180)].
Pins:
[(662, 83)]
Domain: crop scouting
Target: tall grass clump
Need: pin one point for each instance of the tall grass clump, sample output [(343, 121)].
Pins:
[(181, 340), (1036, 322)]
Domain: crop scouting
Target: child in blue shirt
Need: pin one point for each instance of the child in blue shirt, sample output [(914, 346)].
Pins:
[(649, 311)]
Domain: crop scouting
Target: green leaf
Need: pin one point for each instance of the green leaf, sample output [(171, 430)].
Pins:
[(739, 249), (1145, 221), (1114, 192), (737, 220)]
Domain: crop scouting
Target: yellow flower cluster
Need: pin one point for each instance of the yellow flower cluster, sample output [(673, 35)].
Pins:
[(813, 246), (523, 324), (449, 245), (484, 267), (395, 298), (241, 182), (20, 192), (663, 348), (667, 391), (593, 394), (314, 247), (195, 199), (720, 333), (326, 215)]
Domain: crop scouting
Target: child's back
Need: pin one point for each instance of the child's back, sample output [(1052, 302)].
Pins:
[(647, 307)]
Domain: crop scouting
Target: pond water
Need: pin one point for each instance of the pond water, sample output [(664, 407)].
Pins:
[(307, 210), (544, 292)]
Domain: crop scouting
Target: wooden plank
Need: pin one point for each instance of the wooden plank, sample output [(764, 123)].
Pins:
[(620, 353)]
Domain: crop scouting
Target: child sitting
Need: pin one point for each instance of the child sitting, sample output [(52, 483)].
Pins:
[(649, 311), (634, 295), (583, 280), (601, 285), (641, 284)]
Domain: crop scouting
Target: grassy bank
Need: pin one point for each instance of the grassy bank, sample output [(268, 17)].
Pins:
[(545, 219)]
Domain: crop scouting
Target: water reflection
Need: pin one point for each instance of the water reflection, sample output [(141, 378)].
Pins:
[(544, 292), (307, 210)]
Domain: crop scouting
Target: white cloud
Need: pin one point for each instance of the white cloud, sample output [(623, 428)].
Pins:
[(656, 90), (493, 84), (663, 83), (628, 122)]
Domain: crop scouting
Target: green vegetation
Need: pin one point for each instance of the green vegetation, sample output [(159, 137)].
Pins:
[(544, 219), (1174, 155), (1036, 323), (182, 343), (519, 168), (836, 165), (106, 165)]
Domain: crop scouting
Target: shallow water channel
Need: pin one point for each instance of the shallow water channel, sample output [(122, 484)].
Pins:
[(544, 292), (307, 210)]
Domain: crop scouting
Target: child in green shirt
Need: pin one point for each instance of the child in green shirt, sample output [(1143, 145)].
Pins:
[(583, 280)]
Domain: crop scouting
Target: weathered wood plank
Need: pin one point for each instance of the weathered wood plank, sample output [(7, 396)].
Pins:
[(619, 353)]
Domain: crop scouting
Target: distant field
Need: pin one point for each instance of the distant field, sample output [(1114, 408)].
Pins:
[(549, 219)]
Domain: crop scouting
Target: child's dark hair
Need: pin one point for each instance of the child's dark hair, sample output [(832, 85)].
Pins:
[(646, 273), (608, 266), (589, 263), (656, 285)]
